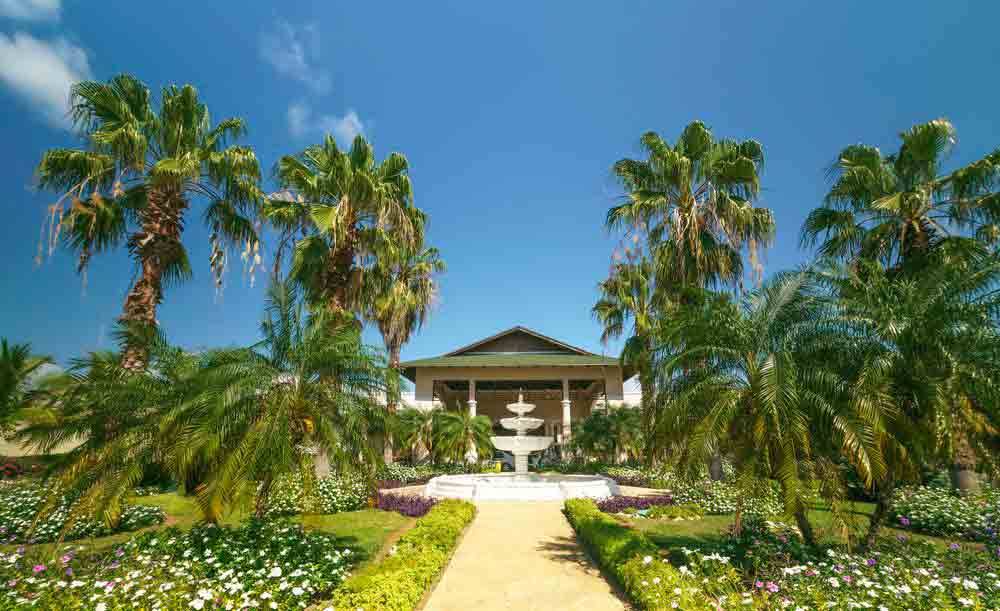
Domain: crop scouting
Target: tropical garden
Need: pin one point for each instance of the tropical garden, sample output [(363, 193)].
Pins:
[(823, 437)]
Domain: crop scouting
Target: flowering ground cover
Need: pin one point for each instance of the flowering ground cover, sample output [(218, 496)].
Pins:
[(197, 566), (21, 500), (940, 511), (665, 565)]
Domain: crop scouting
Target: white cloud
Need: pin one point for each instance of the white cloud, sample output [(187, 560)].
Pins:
[(302, 122), (31, 10), (292, 51), (41, 72)]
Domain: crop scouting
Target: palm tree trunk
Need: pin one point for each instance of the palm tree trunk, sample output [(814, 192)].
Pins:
[(963, 467), (883, 498), (156, 247), (805, 527), (392, 399), (260, 504), (340, 268)]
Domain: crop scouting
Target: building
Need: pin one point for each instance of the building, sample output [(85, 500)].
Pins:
[(565, 382)]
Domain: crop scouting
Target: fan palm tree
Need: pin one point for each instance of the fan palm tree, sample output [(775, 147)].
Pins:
[(402, 290), (268, 409), (924, 356), (760, 391), (895, 208), (349, 205), (135, 180), (19, 370), (458, 433), (693, 202)]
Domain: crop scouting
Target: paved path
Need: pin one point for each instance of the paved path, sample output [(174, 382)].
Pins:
[(521, 556)]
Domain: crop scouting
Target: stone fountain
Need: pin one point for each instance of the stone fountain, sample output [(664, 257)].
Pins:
[(520, 485), (521, 445)]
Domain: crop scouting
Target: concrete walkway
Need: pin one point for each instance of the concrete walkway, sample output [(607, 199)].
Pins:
[(521, 556)]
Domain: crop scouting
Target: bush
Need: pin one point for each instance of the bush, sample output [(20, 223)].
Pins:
[(407, 504), (330, 495), (21, 501), (651, 581), (620, 504), (399, 582), (267, 564), (720, 498), (939, 511)]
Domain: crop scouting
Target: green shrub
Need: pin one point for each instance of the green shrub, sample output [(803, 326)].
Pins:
[(330, 494), (942, 512), (399, 582), (651, 581)]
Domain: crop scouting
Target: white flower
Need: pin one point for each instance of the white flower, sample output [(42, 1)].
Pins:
[(275, 572), (197, 603), (101, 607), (647, 559)]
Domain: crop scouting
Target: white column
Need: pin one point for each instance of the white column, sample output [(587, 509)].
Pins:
[(470, 455), (566, 412)]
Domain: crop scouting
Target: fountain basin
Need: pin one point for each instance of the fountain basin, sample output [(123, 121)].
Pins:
[(520, 487), (521, 444)]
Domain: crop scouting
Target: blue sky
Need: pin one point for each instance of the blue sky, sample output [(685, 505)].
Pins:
[(511, 115)]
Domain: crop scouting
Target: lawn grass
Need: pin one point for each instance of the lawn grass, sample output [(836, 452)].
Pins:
[(711, 530)]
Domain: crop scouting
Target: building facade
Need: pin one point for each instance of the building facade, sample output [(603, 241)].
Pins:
[(565, 382)]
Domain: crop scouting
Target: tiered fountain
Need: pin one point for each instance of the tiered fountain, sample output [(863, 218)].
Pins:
[(521, 445), (520, 485)]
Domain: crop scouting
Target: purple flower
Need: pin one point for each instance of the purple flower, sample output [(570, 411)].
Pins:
[(20, 550), (618, 504), (871, 562), (846, 578), (902, 538), (905, 521), (119, 552), (954, 547), (69, 571), (772, 587), (413, 506)]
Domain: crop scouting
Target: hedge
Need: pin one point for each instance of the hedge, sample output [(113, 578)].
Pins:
[(650, 581), (400, 581)]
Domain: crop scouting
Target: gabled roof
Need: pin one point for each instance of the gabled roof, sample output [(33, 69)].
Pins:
[(557, 345), (515, 347)]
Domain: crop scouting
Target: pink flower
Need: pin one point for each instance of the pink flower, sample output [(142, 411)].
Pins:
[(39, 568)]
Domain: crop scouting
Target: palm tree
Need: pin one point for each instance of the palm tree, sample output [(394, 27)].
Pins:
[(402, 290), (18, 371), (267, 410), (140, 172), (629, 294), (457, 433), (110, 415), (760, 390), (415, 431), (693, 203), (923, 356), (895, 208), (349, 204)]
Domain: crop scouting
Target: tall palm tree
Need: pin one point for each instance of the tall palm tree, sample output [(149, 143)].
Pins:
[(19, 370), (895, 208), (760, 391), (402, 290), (349, 204), (135, 180), (923, 357), (457, 433), (693, 201)]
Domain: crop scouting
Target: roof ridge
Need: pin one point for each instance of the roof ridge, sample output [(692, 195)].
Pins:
[(522, 329)]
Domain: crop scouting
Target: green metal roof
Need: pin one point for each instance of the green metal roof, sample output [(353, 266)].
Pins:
[(516, 359)]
